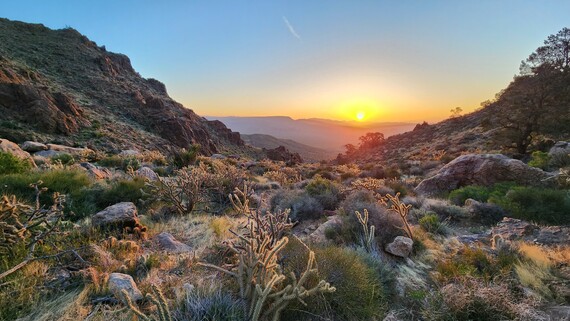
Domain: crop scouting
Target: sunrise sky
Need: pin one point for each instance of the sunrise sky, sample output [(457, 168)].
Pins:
[(387, 60)]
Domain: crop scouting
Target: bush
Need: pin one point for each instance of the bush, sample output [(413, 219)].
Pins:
[(359, 292), (117, 161), (125, 190), (302, 205), (539, 159), (10, 164), (431, 223), (545, 206), (208, 303), (185, 157), (64, 158), (479, 193), (324, 191)]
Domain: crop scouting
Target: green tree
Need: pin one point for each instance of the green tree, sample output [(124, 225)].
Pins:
[(371, 140)]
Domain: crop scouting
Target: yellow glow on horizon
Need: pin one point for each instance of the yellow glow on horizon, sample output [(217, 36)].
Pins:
[(360, 109), (360, 115)]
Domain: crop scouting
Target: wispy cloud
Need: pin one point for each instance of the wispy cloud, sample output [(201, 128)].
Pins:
[(291, 29)]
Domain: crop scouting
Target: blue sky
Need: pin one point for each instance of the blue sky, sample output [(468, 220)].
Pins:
[(395, 60)]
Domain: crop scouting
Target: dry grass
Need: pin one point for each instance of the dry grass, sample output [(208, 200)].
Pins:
[(221, 226)]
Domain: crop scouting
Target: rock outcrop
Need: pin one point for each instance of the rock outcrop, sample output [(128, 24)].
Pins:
[(282, 154), (510, 229), (482, 169), (7, 146), (122, 214)]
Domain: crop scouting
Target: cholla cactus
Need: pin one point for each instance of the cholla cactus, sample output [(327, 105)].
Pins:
[(240, 198), (395, 205), (157, 299), (258, 273), (368, 232)]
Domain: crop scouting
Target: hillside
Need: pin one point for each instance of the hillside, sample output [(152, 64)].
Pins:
[(326, 134), (308, 153), (59, 86)]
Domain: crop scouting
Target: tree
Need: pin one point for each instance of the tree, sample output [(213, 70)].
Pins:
[(553, 56), (371, 140), (456, 112), (350, 149)]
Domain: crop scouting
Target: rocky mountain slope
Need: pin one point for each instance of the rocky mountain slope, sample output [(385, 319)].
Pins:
[(309, 153), (59, 86)]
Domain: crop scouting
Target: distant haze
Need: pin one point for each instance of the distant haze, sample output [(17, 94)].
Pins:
[(326, 134)]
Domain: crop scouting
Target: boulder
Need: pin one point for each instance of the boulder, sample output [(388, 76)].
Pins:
[(284, 155), (482, 169), (96, 172), (484, 212), (129, 152), (318, 236), (401, 246), (559, 148), (170, 244), (32, 147), (121, 214), (119, 282), (13, 148), (76, 151), (147, 172), (218, 156), (510, 229), (48, 153)]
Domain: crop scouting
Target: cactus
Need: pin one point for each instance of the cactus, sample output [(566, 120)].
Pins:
[(401, 209), (240, 198), (260, 277), (157, 299), (368, 232)]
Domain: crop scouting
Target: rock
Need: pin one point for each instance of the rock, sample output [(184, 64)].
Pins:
[(474, 238), (318, 236), (129, 152), (561, 312), (510, 229), (121, 214), (284, 155), (119, 282), (170, 244), (96, 172), (75, 151), (553, 235), (218, 156), (482, 169), (484, 212), (13, 148), (147, 173), (32, 147), (560, 148), (401, 246), (48, 153)]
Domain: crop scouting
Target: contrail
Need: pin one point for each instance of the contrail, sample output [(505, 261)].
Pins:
[(291, 29)]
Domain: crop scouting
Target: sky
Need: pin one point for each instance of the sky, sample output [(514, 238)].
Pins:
[(387, 60)]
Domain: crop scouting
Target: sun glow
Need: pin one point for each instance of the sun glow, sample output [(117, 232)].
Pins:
[(360, 115)]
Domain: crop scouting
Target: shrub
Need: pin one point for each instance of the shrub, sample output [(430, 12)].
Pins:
[(208, 303), (124, 190), (324, 191), (10, 164), (546, 206), (479, 193), (397, 186), (432, 224), (185, 157), (444, 209), (302, 205), (359, 294), (539, 159), (64, 159)]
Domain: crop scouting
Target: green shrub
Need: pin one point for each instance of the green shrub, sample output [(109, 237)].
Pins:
[(479, 193), (10, 164), (130, 162), (114, 161), (302, 205), (359, 291), (203, 303), (546, 206), (125, 190), (185, 157), (539, 159), (64, 158), (431, 223), (324, 191)]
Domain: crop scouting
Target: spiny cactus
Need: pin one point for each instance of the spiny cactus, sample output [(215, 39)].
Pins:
[(368, 232), (240, 198), (157, 299), (394, 204), (258, 273)]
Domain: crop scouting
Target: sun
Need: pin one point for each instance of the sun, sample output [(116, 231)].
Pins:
[(360, 115)]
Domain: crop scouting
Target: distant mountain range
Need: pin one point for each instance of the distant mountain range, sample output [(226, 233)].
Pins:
[(325, 134), (308, 153)]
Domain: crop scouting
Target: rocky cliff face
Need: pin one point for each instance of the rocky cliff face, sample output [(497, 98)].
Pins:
[(58, 86)]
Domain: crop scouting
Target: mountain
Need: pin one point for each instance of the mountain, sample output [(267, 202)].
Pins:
[(327, 134), (308, 153), (59, 86)]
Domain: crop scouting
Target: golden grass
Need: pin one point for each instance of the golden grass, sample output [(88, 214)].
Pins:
[(220, 226), (537, 254)]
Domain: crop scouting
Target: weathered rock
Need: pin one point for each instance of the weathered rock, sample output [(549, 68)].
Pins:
[(482, 169), (76, 151), (170, 244), (96, 172), (32, 147), (121, 214), (401, 246), (119, 282), (48, 153), (561, 313), (513, 229), (559, 148), (284, 155), (129, 152), (13, 148), (553, 235), (318, 236), (218, 156), (147, 172)]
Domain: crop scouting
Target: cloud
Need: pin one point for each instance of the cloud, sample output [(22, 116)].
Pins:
[(291, 29)]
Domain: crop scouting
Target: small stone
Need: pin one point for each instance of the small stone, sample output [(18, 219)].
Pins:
[(170, 244), (96, 172), (119, 282), (401, 246), (218, 156), (147, 173)]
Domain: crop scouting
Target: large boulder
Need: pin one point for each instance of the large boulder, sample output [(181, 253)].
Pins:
[(119, 282), (510, 229), (318, 236), (170, 244), (401, 246), (76, 151), (147, 172), (283, 154), (482, 169), (32, 147), (559, 148), (13, 148), (121, 214)]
